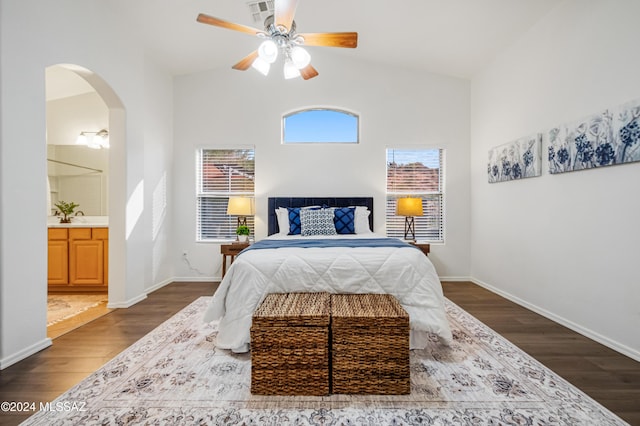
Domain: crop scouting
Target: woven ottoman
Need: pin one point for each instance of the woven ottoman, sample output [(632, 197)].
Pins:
[(290, 345), (369, 345)]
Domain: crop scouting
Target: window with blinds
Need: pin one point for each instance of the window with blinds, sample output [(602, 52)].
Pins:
[(416, 173), (222, 173)]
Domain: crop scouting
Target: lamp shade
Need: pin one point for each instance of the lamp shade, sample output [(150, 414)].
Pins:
[(290, 70), (409, 207), (261, 65), (300, 57), (241, 206), (82, 139), (268, 51)]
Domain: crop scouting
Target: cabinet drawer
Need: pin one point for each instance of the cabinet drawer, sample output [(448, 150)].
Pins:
[(57, 233), (79, 233), (100, 233), (232, 249)]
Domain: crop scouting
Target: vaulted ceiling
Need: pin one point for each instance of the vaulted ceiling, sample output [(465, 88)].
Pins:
[(452, 37)]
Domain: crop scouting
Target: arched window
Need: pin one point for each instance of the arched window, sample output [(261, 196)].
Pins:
[(320, 125)]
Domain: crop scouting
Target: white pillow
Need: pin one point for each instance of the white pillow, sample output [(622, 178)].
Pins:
[(361, 220), (282, 214)]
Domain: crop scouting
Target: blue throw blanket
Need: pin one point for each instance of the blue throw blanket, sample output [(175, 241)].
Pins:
[(328, 243)]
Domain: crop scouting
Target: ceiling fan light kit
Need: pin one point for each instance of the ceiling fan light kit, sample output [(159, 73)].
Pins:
[(268, 51), (280, 37), (300, 57), (290, 70), (261, 66)]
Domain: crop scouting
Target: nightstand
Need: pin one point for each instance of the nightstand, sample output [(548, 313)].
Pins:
[(422, 246), (230, 250)]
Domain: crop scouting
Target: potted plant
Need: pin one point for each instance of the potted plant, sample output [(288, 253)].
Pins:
[(66, 209), (243, 232)]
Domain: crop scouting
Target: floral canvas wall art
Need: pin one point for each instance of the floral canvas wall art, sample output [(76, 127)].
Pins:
[(515, 160), (612, 137)]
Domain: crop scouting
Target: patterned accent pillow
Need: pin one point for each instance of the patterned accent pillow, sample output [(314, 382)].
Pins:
[(317, 222), (294, 218), (344, 220), (294, 221)]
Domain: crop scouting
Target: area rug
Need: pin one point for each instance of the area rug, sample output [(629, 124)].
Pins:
[(176, 376), (64, 306)]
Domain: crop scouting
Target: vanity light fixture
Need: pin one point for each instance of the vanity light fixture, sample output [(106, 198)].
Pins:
[(95, 140)]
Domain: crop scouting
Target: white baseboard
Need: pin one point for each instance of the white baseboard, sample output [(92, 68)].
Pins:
[(616, 346), (134, 300), (455, 279), (24, 353), (158, 285), (127, 303), (196, 279)]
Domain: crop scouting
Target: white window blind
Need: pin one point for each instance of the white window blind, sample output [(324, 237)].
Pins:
[(416, 173), (222, 173)]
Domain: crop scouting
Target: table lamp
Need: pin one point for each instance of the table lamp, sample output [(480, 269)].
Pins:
[(409, 207), (241, 207)]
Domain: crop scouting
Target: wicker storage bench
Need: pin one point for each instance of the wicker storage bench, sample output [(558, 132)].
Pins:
[(369, 345), (290, 345)]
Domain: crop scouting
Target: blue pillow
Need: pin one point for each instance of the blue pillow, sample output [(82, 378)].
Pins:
[(294, 221), (344, 220)]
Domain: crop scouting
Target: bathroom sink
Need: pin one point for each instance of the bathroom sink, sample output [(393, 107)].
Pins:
[(79, 222)]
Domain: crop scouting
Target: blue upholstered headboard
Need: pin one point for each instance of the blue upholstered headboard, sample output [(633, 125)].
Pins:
[(275, 202)]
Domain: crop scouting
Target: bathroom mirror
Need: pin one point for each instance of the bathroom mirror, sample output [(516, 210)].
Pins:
[(78, 174)]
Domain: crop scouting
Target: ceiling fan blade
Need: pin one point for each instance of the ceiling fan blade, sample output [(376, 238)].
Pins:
[(245, 63), (308, 72), (348, 39), (216, 22), (284, 10)]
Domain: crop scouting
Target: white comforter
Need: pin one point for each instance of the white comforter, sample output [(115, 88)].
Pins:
[(405, 272)]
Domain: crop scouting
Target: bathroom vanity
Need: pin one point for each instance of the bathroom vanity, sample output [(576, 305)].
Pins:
[(78, 255)]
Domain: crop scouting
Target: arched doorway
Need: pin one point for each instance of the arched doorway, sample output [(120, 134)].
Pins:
[(108, 114)]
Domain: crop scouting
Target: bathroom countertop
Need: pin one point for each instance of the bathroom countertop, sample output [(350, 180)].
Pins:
[(79, 222)]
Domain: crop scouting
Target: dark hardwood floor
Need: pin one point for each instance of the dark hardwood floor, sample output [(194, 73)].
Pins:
[(605, 375), (73, 356)]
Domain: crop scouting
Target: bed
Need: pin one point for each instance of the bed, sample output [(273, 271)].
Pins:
[(353, 260)]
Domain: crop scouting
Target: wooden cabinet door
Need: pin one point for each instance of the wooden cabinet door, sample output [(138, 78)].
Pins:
[(86, 262), (103, 235), (58, 257), (58, 270)]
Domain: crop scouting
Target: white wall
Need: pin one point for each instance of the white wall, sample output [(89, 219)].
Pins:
[(158, 175), (400, 108), (565, 245), (67, 117), (35, 34)]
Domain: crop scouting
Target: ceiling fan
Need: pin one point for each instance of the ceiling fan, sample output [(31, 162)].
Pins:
[(280, 36)]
